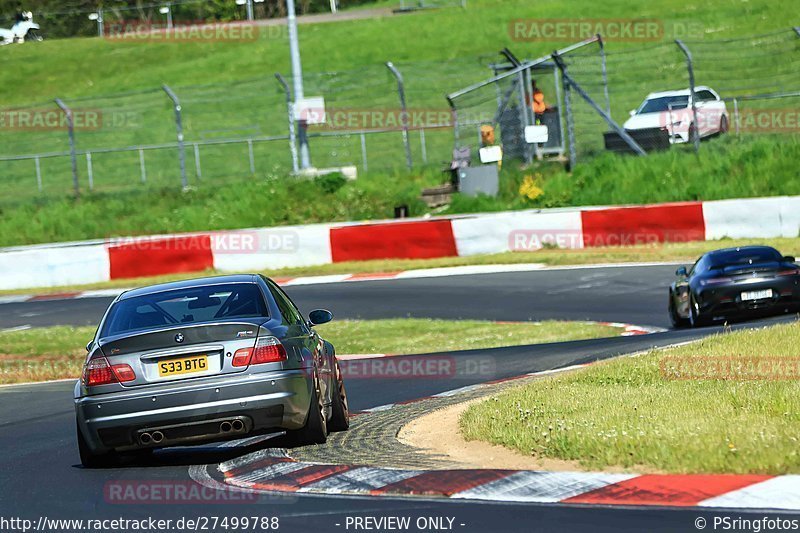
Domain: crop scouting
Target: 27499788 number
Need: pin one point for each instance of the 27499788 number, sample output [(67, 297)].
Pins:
[(184, 365)]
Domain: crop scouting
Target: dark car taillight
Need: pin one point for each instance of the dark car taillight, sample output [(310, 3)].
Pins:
[(99, 372), (788, 272), (266, 350), (715, 281)]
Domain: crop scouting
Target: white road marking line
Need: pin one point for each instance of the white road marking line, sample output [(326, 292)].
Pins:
[(16, 328)]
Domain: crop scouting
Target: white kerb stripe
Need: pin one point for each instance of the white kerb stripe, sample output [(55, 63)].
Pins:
[(359, 480), (777, 493), (545, 487)]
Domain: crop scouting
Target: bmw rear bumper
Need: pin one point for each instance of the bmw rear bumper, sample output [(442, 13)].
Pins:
[(270, 400)]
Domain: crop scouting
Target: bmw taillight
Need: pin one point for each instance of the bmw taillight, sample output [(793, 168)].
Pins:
[(789, 272), (99, 372), (266, 350)]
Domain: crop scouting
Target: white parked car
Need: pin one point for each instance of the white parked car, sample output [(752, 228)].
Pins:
[(672, 111)]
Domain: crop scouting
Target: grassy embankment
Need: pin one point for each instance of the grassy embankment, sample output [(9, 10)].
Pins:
[(730, 403)]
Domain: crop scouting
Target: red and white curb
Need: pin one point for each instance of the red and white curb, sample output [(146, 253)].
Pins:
[(265, 471)]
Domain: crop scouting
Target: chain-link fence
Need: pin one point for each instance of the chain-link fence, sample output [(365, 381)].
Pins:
[(231, 131), (639, 98)]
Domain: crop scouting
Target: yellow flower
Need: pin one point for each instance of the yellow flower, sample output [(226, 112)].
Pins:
[(530, 189)]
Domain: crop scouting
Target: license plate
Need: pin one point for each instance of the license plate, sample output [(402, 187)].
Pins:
[(757, 295), (182, 365)]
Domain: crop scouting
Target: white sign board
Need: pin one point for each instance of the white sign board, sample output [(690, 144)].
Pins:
[(310, 110), (491, 154), (536, 134)]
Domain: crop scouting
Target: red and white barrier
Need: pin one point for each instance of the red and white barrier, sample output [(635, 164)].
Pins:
[(317, 244)]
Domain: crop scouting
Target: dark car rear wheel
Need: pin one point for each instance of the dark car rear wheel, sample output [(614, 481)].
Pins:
[(340, 410), (696, 318), (90, 459), (315, 431), (677, 321)]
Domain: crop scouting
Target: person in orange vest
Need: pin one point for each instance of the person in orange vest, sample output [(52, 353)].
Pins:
[(538, 105)]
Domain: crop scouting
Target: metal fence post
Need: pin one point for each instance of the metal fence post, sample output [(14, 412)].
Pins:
[(523, 115), (179, 128), (364, 152), (251, 156), (573, 157), (89, 170), (38, 172), (71, 129), (736, 115), (142, 168), (695, 132), (290, 111), (401, 91), (604, 67), (197, 168), (454, 114)]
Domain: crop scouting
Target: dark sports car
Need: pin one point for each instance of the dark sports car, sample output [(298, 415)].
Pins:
[(734, 283), (206, 360)]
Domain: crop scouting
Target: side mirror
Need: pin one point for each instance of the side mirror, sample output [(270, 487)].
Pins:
[(681, 272), (789, 259), (320, 316), (89, 346), (632, 112)]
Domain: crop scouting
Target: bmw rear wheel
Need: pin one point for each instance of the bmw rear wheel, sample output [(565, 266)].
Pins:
[(340, 410), (90, 459), (315, 431)]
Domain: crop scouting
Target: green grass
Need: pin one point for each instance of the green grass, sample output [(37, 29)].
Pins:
[(686, 252), (57, 352), (43, 353), (227, 90), (696, 408), (727, 169)]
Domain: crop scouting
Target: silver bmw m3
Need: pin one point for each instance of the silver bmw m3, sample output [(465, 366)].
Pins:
[(206, 360)]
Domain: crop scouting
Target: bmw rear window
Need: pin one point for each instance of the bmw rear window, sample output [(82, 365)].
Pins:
[(185, 306)]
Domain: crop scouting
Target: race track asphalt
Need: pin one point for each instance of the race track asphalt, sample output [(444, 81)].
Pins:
[(41, 475)]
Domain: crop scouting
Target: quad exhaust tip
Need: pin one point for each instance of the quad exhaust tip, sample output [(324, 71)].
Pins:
[(145, 438), (157, 437), (234, 425)]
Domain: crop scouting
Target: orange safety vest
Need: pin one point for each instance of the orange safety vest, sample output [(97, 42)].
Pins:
[(538, 102)]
